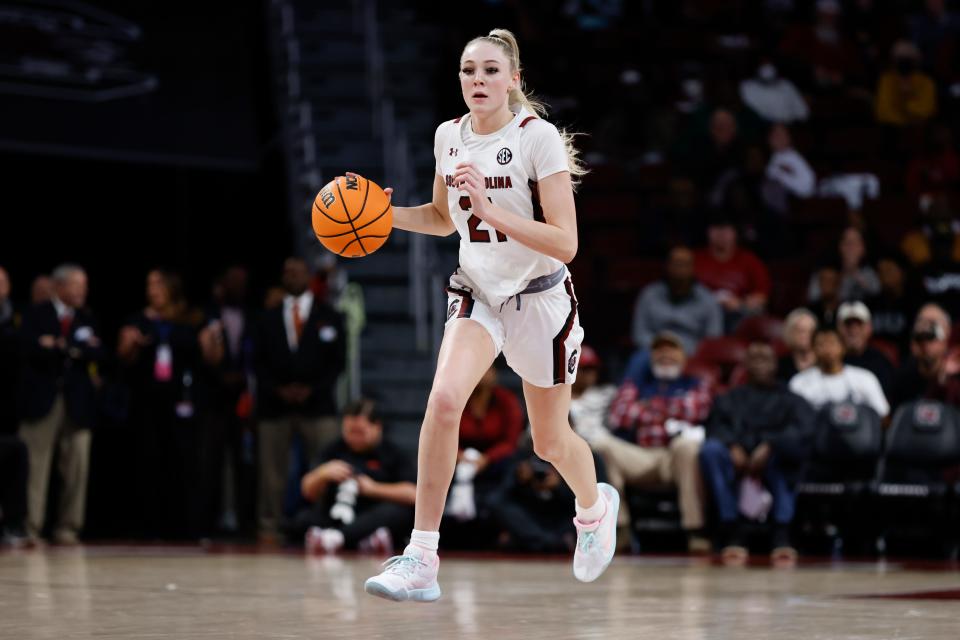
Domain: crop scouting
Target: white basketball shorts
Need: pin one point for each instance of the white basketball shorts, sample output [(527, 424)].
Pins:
[(539, 333)]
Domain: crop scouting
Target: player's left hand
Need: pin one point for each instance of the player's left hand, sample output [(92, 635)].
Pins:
[(386, 190), (469, 178)]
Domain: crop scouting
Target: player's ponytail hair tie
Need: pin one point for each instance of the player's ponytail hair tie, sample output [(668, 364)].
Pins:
[(507, 42)]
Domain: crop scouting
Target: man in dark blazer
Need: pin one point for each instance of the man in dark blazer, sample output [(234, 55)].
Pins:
[(300, 352), (58, 400)]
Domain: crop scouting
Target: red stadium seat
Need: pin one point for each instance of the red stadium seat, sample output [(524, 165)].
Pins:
[(705, 371), (763, 328), (725, 351)]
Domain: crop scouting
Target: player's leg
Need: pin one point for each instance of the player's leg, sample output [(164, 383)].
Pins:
[(555, 441), (597, 505), (466, 352), (543, 340)]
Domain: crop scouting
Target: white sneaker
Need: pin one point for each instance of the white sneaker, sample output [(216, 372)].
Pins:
[(597, 542), (320, 541), (412, 576)]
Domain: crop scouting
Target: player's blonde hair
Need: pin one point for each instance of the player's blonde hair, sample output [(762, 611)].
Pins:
[(507, 42)]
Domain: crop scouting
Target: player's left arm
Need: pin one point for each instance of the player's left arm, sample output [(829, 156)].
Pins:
[(556, 236)]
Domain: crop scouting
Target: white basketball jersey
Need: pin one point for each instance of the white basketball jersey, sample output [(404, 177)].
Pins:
[(512, 160)]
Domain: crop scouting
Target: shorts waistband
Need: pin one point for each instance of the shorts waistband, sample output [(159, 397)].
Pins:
[(543, 283)]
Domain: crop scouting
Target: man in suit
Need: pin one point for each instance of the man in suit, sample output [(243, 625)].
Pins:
[(299, 354), (61, 352), (230, 473)]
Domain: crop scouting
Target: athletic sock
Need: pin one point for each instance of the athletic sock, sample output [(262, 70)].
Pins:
[(591, 514), (428, 540)]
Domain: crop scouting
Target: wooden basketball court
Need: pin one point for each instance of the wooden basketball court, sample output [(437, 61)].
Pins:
[(171, 592)]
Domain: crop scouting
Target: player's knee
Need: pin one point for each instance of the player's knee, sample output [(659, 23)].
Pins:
[(551, 448), (444, 405)]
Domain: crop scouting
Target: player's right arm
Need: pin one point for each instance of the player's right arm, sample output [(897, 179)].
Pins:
[(432, 218)]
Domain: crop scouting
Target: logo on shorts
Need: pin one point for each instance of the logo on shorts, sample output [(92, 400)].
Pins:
[(504, 156), (572, 362), (452, 309)]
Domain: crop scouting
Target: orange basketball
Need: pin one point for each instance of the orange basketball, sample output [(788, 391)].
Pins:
[(352, 216)]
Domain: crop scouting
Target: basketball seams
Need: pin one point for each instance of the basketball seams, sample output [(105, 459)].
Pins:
[(357, 239), (325, 214), (343, 203), (361, 227)]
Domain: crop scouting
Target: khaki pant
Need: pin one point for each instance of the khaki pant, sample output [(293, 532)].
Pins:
[(275, 437), (73, 445), (676, 465)]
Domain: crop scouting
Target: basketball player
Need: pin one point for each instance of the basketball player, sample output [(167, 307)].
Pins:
[(504, 181)]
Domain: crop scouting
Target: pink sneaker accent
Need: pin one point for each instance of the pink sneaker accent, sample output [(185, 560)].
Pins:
[(597, 541), (411, 576)]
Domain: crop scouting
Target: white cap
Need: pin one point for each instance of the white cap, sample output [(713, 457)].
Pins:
[(853, 311)]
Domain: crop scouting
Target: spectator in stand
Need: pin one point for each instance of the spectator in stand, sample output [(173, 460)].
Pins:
[(787, 166), (858, 280), (827, 279), (532, 506), (940, 276), (41, 290), (678, 303), (759, 430), (590, 401), (833, 381), (928, 374), (905, 94), (739, 280), (798, 328), (14, 472), (934, 30), (822, 51), (894, 308), (772, 97), (721, 154), (9, 356), (160, 358), (489, 429), (362, 488), (655, 415), (936, 169), (937, 225), (229, 496), (299, 354), (856, 329), (787, 175), (58, 397)]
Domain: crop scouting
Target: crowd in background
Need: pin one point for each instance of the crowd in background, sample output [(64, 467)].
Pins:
[(793, 176)]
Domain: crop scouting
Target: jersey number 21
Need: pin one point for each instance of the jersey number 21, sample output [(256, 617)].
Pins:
[(473, 222)]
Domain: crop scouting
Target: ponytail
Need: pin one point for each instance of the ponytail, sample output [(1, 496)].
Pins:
[(507, 42)]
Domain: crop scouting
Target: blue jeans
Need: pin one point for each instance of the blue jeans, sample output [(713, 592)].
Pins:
[(720, 477)]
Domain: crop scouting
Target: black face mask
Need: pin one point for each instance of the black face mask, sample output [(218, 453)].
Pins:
[(905, 66)]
